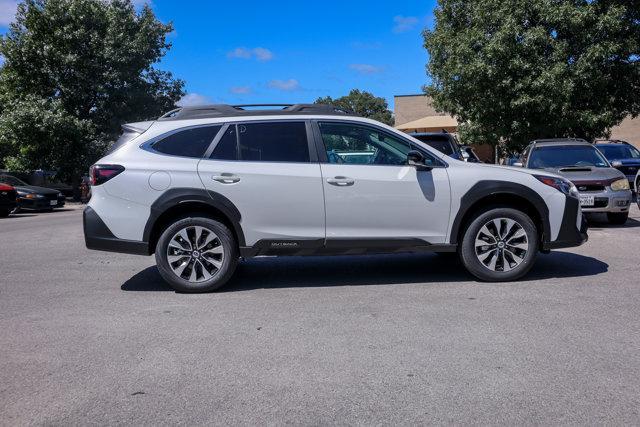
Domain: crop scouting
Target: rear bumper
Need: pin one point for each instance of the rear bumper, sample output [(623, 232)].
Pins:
[(571, 234), (97, 236)]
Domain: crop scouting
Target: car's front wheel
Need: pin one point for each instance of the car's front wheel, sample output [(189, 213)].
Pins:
[(499, 244), (196, 254)]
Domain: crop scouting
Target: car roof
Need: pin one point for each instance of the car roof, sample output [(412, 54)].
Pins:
[(248, 110), (559, 141)]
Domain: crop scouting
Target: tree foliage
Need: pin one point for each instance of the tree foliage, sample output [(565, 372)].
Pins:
[(73, 72), (362, 103), (516, 70)]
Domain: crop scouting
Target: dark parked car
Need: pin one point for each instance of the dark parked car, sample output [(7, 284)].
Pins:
[(32, 197), (7, 199), (601, 187), (444, 142), (622, 156)]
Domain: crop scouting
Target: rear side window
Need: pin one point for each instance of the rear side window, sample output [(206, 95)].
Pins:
[(227, 147), (273, 142), (188, 143)]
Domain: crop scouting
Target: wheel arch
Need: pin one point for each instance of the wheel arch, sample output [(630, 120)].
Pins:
[(486, 194), (179, 202)]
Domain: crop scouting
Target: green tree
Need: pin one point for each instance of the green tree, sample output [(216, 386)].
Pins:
[(514, 70), (73, 72), (362, 103)]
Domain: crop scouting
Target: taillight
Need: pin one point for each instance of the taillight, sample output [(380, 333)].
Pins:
[(5, 187), (103, 173)]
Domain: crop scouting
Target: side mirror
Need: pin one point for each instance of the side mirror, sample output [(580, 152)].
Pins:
[(465, 156), (517, 164), (616, 163), (416, 159)]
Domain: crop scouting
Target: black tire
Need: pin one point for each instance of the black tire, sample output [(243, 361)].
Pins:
[(617, 218), (224, 238), (475, 266), (4, 213)]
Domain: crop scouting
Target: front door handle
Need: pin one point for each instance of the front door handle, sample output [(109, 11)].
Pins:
[(226, 178), (341, 181)]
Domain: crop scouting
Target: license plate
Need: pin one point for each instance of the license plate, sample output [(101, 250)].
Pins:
[(53, 202), (586, 201)]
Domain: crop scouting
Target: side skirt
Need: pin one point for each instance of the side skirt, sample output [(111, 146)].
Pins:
[(341, 247)]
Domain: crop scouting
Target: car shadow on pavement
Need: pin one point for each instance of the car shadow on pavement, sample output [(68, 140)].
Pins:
[(599, 221), (289, 272)]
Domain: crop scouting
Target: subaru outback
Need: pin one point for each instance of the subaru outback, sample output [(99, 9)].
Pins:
[(203, 187)]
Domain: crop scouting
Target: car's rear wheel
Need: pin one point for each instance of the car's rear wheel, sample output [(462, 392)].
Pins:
[(196, 254), (500, 244), (617, 218)]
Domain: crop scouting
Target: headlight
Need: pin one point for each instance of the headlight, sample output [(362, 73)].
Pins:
[(620, 185), (563, 185)]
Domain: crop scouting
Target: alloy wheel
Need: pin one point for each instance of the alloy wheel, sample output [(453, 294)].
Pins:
[(195, 254), (501, 244)]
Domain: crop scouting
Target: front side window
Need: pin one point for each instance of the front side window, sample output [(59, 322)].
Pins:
[(356, 144), (558, 156), (188, 142), (273, 142)]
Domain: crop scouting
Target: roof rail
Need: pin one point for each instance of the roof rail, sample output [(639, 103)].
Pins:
[(610, 141), (225, 110)]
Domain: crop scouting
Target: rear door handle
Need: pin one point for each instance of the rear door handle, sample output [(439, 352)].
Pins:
[(341, 181), (226, 178)]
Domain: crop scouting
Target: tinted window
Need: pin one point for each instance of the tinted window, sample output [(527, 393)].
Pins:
[(440, 143), (227, 147), (618, 152), (12, 180), (566, 156), (189, 142), (273, 142), (347, 143)]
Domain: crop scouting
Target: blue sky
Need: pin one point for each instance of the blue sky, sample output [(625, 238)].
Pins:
[(291, 51)]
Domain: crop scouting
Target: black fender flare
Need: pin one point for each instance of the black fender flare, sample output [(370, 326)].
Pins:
[(176, 196), (486, 188)]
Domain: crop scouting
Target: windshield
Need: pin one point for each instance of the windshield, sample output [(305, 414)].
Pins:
[(617, 152), (11, 180), (557, 156), (442, 144)]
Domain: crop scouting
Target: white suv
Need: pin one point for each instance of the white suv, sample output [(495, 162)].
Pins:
[(204, 186)]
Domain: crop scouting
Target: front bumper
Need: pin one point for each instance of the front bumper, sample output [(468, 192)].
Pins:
[(571, 232), (40, 203), (608, 201), (98, 236)]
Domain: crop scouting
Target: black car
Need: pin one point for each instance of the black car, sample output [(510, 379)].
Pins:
[(7, 199), (444, 142), (622, 156), (32, 197)]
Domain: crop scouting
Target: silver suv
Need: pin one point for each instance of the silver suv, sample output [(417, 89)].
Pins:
[(602, 188), (203, 187)]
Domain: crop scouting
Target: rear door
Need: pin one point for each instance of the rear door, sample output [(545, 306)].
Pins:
[(270, 173)]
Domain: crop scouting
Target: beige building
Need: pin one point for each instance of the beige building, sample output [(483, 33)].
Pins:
[(415, 113)]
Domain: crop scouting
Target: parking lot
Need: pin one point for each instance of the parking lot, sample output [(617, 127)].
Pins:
[(90, 337)]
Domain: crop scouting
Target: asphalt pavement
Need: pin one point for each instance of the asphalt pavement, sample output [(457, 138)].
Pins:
[(91, 337)]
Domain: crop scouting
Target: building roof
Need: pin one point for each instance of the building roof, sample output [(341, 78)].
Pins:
[(430, 122)]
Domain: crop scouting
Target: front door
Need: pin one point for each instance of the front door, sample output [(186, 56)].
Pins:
[(371, 193)]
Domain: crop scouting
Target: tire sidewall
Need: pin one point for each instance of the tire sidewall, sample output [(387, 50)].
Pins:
[(228, 264), (475, 266)]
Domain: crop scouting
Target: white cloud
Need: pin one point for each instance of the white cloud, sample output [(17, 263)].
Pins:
[(259, 53), (287, 85), (192, 99), (366, 68), (404, 23), (240, 90), (7, 11)]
